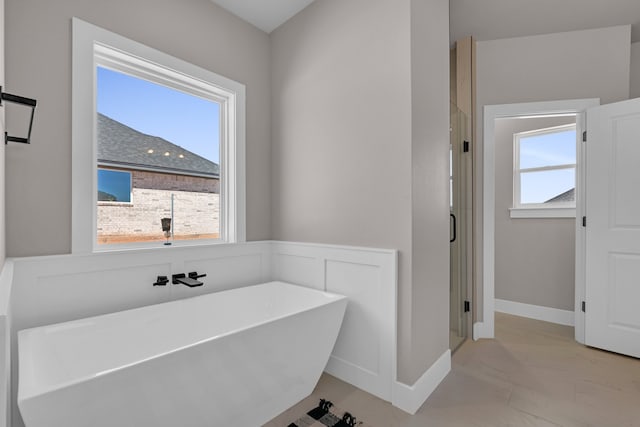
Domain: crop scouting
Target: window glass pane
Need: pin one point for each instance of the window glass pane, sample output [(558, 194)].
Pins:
[(114, 186), (554, 186), (169, 143), (551, 149)]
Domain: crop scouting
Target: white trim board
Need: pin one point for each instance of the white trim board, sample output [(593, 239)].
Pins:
[(480, 332), (411, 398), (6, 282), (538, 312), (491, 113)]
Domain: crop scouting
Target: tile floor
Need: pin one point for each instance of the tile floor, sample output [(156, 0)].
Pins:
[(532, 374)]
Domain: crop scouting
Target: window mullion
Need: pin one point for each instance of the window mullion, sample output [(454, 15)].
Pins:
[(548, 168)]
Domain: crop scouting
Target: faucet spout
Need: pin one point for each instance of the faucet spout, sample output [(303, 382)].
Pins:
[(182, 279)]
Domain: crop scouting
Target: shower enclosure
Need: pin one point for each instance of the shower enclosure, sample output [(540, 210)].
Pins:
[(460, 204)]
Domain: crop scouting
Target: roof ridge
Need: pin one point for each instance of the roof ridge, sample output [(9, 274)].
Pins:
[(122, 144)]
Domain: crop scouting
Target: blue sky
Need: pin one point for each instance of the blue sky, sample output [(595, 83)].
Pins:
[(538, 187), (552, 149), (185, 120)]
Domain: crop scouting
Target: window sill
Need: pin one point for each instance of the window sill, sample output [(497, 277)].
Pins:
[(542, 212), (159, 244), (125, 204)]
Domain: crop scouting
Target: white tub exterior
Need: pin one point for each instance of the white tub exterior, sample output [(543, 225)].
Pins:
[(233, 358)]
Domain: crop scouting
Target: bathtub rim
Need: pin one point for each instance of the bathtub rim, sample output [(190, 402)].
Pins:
[(35, 391)]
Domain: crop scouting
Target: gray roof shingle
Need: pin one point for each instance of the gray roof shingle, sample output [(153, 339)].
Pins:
[(120, 145), (567, 196)]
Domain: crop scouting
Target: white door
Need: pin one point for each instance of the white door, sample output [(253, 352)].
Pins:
[(612, 315)]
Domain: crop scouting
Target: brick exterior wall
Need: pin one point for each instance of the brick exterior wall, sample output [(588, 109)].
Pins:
[(196, 209), (165, 181)]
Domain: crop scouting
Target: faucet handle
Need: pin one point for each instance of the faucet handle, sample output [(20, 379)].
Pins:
[(194, 275), (161, 281)]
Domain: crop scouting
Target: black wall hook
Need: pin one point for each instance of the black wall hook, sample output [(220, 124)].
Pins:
[(22, 101)]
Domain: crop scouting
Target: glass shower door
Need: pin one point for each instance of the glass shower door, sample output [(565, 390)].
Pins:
[(460, 225)]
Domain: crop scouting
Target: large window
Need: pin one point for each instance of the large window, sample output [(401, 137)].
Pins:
[(166, 144), (156, 139), (544, 174)]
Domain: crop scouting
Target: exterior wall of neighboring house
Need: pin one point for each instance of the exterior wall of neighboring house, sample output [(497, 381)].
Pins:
[(151, 201), (174, 182), (534, 257)]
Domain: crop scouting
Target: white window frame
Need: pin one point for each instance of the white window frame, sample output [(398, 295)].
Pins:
[(93, 47), (539, 210)]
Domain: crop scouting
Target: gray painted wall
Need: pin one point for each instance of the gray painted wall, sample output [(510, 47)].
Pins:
[(580, 64), (635, 70), (429, 184), (349, 141), (38, 55), (498, 19), (534, 258)]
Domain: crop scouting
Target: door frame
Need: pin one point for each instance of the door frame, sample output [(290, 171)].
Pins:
[(486, 328)]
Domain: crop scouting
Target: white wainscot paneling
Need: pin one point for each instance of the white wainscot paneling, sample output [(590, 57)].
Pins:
[(6, 277), (226, 273), (361, 283), (55, 289), (300, 269), (364, 354), (358, 351)]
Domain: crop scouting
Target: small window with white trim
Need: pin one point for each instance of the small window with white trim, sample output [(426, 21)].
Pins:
[(544, 175), (162, 157)]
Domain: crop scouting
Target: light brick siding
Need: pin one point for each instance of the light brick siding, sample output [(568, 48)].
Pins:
[(196, 212)]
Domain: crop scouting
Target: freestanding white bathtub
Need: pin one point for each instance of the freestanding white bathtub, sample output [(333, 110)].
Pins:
[(235, 358)]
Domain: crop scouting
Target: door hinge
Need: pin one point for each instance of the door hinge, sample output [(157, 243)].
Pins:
[(584, 306), (465, 147), (584, 221), (467, 306), (584, 136)]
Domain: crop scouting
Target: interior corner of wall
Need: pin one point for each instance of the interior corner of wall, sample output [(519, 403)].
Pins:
[(410, 398)]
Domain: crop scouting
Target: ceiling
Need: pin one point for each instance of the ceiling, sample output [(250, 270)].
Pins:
[(485, 19), (264, 14), (497, 19)]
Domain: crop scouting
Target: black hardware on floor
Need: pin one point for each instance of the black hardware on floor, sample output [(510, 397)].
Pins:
[(325, 417), (22, 101)]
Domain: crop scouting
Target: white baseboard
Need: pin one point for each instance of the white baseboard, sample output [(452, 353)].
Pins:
[(478, 331), (538, 312), (410, 398)]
